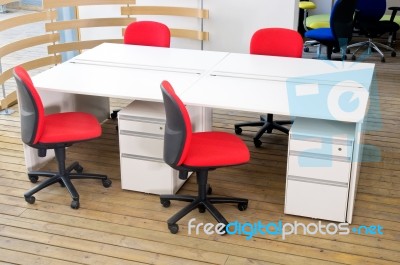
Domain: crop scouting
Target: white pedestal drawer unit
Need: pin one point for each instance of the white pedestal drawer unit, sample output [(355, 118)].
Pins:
[(319, 168), (141, 142)]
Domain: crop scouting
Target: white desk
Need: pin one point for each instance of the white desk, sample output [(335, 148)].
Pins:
[(334, 90), (86, 82), (288, 86)]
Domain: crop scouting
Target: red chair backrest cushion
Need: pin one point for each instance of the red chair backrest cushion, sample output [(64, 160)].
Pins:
[(277, 42), (147, 33)]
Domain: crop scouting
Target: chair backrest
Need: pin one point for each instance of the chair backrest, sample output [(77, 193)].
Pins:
[(31, 107), (178, 128), (342, 20), (147, 33), (370, 10), (277, 42)]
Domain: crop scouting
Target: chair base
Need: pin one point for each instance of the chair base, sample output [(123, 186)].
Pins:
[(63, 177), (201, 201), (371, 45), (267, 123)]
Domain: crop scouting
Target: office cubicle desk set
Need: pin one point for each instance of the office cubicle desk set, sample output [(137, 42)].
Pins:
[(203, 83)]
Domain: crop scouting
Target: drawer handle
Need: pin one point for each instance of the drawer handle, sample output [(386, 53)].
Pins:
[(340, 149)]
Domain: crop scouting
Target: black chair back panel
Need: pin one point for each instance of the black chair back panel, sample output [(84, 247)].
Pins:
[(370, 10), (178, 132), (31, 113), (342, 20)]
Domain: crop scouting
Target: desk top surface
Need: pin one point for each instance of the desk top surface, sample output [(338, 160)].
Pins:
[(128, 71), (288, 86), (147, 57)]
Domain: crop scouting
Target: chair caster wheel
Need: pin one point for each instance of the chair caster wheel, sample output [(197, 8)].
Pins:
[(75, 204), (30, 200), (202, 209), (209, 190), (393, 54), (306, 49), (257, 142), (353, 58), (242, 206), (165, 203), (78, 168), (173, 228), (106, 183), (383, 59), (347, 51), (238, 130), (33, 179), (114, 115)]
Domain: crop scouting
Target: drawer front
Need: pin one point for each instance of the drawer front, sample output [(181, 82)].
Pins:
[(317, 168), (141, 144), (316, 200), (148, 175), (135, 124), (333, 148)]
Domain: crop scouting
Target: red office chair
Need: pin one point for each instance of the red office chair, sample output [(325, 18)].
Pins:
[(199, 152), (54, 131), (147, 33), (274, 42)]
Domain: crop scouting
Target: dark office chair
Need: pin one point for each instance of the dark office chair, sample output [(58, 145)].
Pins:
[(53, 131), (368, 21), (199, 152), (341, 28), (146, 33), (275, 42)]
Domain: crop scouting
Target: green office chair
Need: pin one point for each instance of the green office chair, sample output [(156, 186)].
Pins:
[(312, 22)]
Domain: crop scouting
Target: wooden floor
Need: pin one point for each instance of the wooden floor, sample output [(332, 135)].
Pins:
[(114, 226)]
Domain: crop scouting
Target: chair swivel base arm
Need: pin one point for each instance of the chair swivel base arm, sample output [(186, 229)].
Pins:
[(63, 176), (201, 201)]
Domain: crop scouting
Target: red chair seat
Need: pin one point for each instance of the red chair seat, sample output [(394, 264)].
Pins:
[(216, 149), (69, 127)]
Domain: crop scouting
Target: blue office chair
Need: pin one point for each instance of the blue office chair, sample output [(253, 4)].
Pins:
[(368, 20), (341, 28)]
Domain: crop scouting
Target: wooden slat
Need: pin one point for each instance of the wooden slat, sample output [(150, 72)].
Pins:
[(190, 34), (88, 23), (65, 3), (165, 11), (9, 100), (79, 45), (49, 60), (28, 42), (26, 19), (4, 2)]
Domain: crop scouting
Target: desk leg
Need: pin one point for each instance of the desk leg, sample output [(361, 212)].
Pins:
[(55, 102), (201, 117), (355, 170)]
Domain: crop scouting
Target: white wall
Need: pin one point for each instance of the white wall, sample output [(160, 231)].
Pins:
[(233, 22)]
